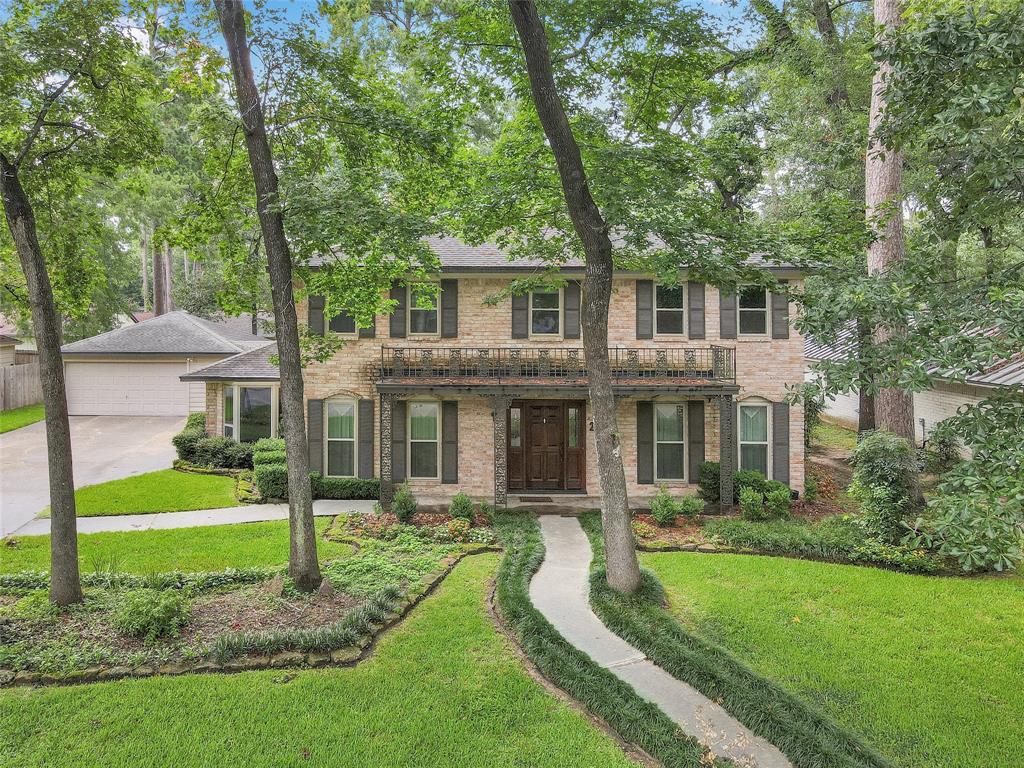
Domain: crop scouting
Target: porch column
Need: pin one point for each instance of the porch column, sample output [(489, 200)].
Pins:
[(726, 449), (499, 412), (387, 484)]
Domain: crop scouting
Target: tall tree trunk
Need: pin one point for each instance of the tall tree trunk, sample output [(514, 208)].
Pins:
[(894, 408), (144, 266), (65, 584), (168, 265), (302, 563), (591, 228), (159, 279), (866, 409), (837, 96)]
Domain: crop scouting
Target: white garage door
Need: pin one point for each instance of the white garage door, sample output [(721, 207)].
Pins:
[(126, 389)]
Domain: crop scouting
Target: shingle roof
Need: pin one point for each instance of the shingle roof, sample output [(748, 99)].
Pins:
[(175, 333), (253, 365), (456, 255), (5, 339)]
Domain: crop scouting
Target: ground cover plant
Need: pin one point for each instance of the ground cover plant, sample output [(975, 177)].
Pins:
[(157, 619), (21, 417), (805, 737), (446, 659), (636, 720), (929, 669), (210, 548)]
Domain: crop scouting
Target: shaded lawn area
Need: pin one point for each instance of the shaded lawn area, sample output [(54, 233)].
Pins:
[(930, 670), (832, 436), (443, 689), (165, 490), (21, 417), (212, 548)]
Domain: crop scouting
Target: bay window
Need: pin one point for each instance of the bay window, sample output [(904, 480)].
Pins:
[(251, 412)]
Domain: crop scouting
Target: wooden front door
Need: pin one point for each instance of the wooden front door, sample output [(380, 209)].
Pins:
[(546, 446)]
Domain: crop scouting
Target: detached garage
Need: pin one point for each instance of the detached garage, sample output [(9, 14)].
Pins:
[(136, 370)]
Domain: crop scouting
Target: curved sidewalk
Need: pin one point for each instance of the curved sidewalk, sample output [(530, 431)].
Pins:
[(560, 590)]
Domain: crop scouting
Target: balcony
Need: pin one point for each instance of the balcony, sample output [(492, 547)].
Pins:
[(554, 366)]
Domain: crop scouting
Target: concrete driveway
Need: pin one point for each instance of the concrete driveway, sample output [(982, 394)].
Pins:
[(104, 448)]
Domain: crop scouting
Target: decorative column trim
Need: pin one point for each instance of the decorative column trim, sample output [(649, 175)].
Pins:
[(387, 484), (726, 450), (499, 413)]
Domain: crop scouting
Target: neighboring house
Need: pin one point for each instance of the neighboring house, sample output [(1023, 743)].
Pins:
[(135, 370), (930, 406), (491, 399), (7, 345)]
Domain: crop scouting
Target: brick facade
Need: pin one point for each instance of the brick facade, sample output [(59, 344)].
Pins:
[(764, 368)]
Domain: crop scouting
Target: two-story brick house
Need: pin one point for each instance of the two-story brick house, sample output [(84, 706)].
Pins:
[(491, 399)]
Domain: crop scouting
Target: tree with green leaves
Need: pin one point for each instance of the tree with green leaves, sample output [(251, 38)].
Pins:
[(73, 99)]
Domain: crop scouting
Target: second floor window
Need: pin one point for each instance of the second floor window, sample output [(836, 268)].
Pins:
[(753, 310), (668, 309), (422, 315), (343, 323), (545, 313)]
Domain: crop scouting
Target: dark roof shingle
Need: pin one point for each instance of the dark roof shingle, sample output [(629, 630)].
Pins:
[(175, 333), (252, 365)]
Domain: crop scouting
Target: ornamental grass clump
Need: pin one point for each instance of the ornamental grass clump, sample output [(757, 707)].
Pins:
[(664, 509)]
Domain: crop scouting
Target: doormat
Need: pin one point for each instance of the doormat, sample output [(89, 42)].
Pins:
[(535, 499)]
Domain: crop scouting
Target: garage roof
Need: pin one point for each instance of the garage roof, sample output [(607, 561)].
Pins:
[(174, 333), (253, 365)]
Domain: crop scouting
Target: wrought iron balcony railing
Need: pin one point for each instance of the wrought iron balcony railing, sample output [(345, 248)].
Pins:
[(508, 364)]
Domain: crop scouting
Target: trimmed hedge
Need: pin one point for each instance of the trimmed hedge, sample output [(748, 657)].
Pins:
[(344, 487), (272, 480), (196, 447), (710, 477)]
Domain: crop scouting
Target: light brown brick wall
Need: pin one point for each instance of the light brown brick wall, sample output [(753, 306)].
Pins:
[(764, 367)]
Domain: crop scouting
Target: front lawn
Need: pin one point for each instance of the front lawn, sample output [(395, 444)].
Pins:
[(165, 490), (21, 417), (212, 548), (443, 689), (928, 669)]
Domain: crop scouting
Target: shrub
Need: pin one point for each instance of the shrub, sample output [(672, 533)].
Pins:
[(461, 507), (148, 614), (884, 484), (458, 529), (268, 444), (709, 479), (196, 421), (185, 441), (749, 478), (404, 504), (268, 457), (777, 502), (690, 506), (344, 487), (752, 504), (223, 452), (486, 511), (664, 509), (943, 452), (272, 480)]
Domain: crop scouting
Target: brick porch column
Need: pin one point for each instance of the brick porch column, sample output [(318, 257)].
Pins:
[(387, 483), (499, 413), (726, 449)]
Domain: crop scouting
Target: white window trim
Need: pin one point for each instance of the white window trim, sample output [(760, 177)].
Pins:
[(275, 405), (686, 450), (410, 305), (353, 335), (354, 439), (766, 310), (740, 442), (561, 318), (683, 286), (409, 441)]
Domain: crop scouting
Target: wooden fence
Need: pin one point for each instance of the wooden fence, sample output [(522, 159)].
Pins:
[(19, 386)]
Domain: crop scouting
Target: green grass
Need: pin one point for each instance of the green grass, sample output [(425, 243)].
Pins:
[(21, 417), (930, 670), (443, 689), (832, 436), (165, 490), (212, 548)]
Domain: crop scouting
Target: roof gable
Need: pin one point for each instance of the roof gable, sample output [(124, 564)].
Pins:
[(174, 333)]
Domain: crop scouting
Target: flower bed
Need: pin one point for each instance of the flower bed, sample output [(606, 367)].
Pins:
[(428, 526)]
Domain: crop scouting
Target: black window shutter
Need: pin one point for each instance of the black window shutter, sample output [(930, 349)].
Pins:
[(520, 317), (645, 442), (572, 309), (316, 315), (315, 435), (369, 333), (780, 442), (449, 309), (365, 438), (695, 438), (727, 314), (645, 309), (695, 309), (780, 314), (450, 441), (398, 441), (399, 294)]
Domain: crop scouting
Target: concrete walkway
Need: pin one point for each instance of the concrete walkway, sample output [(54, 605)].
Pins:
[(251, 513), (560, 590)]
